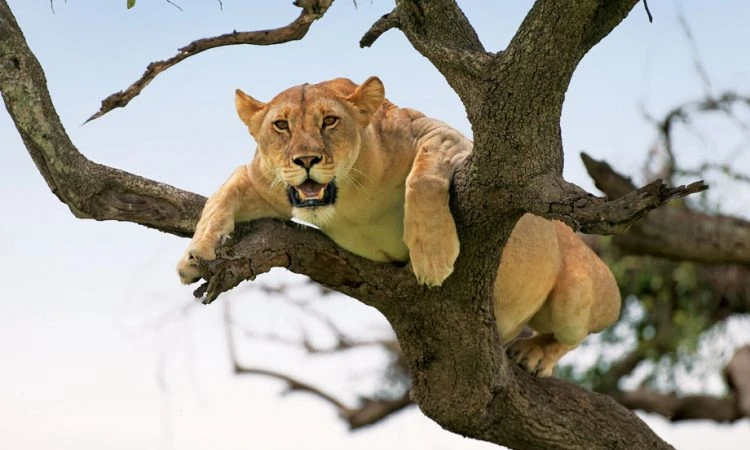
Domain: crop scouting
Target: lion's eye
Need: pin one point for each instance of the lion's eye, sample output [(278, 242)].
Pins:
[(330, 121), (281, 125)]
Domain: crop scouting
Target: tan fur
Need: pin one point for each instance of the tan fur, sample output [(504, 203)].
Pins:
[(392, 168)]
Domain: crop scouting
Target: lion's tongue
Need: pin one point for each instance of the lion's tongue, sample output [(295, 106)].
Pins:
[(311, 190)]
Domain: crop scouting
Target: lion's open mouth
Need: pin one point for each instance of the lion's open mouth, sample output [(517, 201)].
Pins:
[(311, 193)]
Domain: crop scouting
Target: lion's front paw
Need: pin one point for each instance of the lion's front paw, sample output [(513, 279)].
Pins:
[(433, 250), (187, 267)]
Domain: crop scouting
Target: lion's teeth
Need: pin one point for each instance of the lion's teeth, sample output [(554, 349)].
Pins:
[(307, 195)]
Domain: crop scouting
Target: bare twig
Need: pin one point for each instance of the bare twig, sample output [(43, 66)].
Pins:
[(175, 5), (293, 385), (722, 103), (648, 11), (726, 169), (700, 69), (312, 10)]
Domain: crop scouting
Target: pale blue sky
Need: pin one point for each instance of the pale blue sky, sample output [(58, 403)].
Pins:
[(77, 366)]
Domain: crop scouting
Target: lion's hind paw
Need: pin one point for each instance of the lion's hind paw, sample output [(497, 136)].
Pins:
[(539, 354)]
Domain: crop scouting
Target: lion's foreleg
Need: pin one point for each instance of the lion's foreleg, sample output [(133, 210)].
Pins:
[(236, 200), (429, 229)]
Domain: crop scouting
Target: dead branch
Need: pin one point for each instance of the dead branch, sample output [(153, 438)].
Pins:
[(312, 10), (589, 214), (677, 233)]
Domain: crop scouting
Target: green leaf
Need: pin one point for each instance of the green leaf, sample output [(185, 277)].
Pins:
[(131, 3)]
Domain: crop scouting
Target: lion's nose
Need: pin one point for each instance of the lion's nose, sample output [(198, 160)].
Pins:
[(306, 161)]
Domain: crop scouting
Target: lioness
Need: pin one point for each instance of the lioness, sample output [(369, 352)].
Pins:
[(375, 178)]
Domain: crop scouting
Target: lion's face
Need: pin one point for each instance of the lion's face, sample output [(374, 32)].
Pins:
[(309, 139)]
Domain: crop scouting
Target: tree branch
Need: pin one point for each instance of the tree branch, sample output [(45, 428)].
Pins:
[(676, 233), (554, 37), (730, 408), (440, 31), (675, 408), (385, 23), (589, 214), (369, 411), (312, 10), (270, 243)]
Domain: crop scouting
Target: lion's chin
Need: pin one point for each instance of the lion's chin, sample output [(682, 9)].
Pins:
[(320, 217), (310, 194)]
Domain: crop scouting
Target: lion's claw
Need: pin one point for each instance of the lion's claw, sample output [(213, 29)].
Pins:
[(187, 267)]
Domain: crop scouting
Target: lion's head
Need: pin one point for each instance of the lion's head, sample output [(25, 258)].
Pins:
[(309, 139)]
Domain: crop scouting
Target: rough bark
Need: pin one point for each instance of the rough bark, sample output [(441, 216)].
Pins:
[(462, 378)]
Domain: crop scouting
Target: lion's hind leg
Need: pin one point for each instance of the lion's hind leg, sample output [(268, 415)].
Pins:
[(562, 323)]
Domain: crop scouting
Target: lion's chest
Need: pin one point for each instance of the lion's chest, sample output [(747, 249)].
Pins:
[(378, 241), (371, 228)]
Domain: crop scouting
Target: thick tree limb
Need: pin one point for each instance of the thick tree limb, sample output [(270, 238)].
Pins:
[(676, 233), (312, 10), (555, 35), (261, 245)]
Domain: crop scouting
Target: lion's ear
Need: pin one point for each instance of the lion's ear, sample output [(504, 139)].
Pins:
[(367, 98), (247, 107)]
